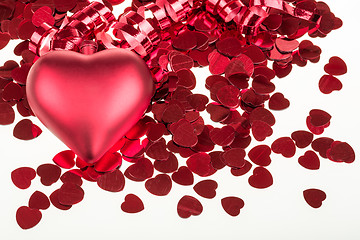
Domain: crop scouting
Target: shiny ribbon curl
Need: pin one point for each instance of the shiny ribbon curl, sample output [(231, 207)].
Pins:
[(134, 31)]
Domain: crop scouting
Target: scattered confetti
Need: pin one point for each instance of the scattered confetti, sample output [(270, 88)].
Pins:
[(189, 206), (22, 177), (27, 217), (132, 204), (232, 205), (314, 197)]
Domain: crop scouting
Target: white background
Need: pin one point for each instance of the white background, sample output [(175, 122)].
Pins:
[(278, 212)]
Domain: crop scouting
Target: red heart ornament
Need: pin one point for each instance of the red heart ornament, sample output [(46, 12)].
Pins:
[(89, 101)]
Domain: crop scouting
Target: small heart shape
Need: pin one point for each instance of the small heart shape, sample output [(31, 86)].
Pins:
[(70, 194), (328, 84), (315, 130), (261, 178), (278, 102), (260, 155), (241, 171), (160, 185), (282, 71), (284, 146), (108, 162), (319, 118), (168, 166), (341, 152), (132, 204), (54, 199), (188, 206), (232, 205), (48, 173), (65, 159), (4, 39), (21, 177), (200, 164), (321, 145), (27, 217), (302, 138), (112, 181), (183, 176), (141, 170), (39, 200), (336, 66), (26, 130), (234, 157), (222, 136), (310, 160), (308, 50), (314, 197), (206, 188), (261, 130)]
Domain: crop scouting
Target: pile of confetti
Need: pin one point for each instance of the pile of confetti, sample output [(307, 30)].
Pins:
[(245, 44)]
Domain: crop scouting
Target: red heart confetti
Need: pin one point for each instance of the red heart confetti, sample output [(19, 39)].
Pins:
[(341, 152), (328, 84), (302, 138), (234, 157), (27, 217), (54, 199), (232, 205), (243, 170), (284, 146), (132, 204), (22, 177), (112, 181), (26, 130), (160, 185), (141, 170), (314, 197), (206, 188), (70, 194), (72, 177), (200, 164), (48, 173), (260, 155), (310, 160), (336, 66), (183, 176), (321, 145), (65, 159), (277, 101), (168, 166), (261, 178), (39, 200), (188, 206), (211, 36), (261, 130), (7, 114)]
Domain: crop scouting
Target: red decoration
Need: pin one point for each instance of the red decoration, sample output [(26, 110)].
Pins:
[(53, 89), (98, 110)]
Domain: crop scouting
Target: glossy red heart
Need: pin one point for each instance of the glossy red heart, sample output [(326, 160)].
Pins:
[(188, 206), (336, 66), (328, 84), (261, 130), (314, 197), (48, 173), (132, 204), (278, 102), (206, 188), (232, 205), (27, 217), (39, 200), (302, 138), (310, 160), (260, 155), (22, 177), (183, 176), (284, 146), (89, 101), (261, 178), (159, 185)]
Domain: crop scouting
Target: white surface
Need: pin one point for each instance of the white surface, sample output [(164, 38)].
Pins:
[(278, 212)]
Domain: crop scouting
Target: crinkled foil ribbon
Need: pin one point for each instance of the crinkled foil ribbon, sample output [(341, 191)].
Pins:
[(134, 31)]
